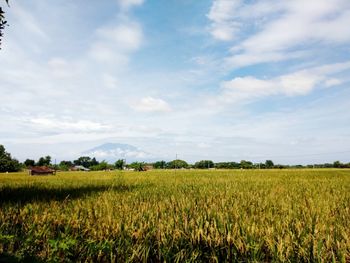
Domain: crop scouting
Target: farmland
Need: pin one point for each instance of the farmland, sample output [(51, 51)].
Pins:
[(190, 215)]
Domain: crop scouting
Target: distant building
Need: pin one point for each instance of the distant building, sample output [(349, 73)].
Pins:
[(40, 170), (79, 168), (148, 167)]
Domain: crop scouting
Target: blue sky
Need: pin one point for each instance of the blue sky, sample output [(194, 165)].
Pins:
[(220, 79)]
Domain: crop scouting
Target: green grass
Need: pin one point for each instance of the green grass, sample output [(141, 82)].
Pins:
[(193, 216)]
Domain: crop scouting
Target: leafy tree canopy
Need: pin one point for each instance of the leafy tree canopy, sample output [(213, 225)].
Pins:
[(246, 164), (44, 161), (101, 166), (119, 164), (29, 162), (7, 163), (86, 161), (269, 164), (227, 165), (160, 165), (65, 165), (176, 164), (204, 164)]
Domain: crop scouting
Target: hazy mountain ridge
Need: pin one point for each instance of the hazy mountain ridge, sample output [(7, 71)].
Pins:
[(114, 151)]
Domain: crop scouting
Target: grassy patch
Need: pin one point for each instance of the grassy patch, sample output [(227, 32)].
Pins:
[(240, 215)]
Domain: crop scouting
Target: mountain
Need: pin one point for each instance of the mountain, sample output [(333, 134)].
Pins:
[(114, 151)]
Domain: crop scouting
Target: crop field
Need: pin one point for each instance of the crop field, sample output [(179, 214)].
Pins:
[(187, 216)]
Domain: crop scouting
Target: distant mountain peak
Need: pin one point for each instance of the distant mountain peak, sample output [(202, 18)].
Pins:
[(114, 151), (112, 146)]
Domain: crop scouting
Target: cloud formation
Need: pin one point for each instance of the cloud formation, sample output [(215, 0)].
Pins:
[(293, 84), (219, 79), (66, 125), (115, 43), (150, 104), (281, 30), (223, 25), (127, 4)]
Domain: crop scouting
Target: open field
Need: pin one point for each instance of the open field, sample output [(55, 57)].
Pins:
[(236, 215)]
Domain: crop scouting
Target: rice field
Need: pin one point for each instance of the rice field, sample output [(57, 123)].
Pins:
[(190, 216)]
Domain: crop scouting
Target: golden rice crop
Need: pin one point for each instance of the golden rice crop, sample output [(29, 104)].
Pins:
[(192, 216)]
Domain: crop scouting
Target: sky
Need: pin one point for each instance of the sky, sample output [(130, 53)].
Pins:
[(225, 80)]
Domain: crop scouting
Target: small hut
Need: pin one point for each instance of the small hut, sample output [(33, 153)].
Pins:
[(41, 170), (148, 167)]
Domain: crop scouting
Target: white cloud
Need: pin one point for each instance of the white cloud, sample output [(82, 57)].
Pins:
[(65, 125), (126, 36), (246, 87), (150, 104), (203, 145), (115, 43), (60, 68), (223, 26), (126, 4), (104, 52), (110, 81), (333, 82), (251, 87), (279, 29), (55, 96), (298, 83)]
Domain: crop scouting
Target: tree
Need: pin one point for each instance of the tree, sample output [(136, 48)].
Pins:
[(260, 165), (3, 22), (44, 161), (269, 164), (7, 163), (204, 164), (159, 165), (246, 164), (65, 165), (83, 160), (176, 164), (94, 162), (101, 166), (227, 165), (29, 162), (119, 164), (86, 161), (337, 164)]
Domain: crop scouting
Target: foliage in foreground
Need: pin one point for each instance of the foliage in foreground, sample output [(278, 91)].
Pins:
[(208, 216)]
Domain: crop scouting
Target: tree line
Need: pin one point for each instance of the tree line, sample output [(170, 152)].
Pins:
[(9, 164), (268, 164)]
